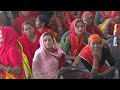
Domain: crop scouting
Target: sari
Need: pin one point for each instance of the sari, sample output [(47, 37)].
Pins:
[(86, 54), (76, 43), (46, 65), (29, 47), (17, 23), (25, 62), (92, 29), (10, 54)]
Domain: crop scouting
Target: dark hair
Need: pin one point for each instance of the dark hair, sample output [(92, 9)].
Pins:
[(44, 19), (27, 23), (48, 33), (79, 21)]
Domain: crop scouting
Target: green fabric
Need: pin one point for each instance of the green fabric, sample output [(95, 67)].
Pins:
[(67, 44)]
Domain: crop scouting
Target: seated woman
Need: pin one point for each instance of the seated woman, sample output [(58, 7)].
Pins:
[(75, 42), (60, 23), (87, 18), (29, 40), (42, 25), (48, 59), (10, 57), (93, 57)]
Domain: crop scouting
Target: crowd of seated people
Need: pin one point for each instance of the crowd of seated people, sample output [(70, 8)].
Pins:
[(39, 44)]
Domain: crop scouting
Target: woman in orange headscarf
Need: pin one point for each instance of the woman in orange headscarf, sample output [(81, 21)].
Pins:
[(93, 57), (11, 66)]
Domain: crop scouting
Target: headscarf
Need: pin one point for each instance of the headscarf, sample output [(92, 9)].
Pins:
[(9, 52), (46, 64), (92, 29), (94, 38), (76, 44), (10, 42), (29, 47)]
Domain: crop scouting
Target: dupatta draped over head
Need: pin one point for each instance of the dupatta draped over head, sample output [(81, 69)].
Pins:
[(46, 64), (9, 51), (76, 43)]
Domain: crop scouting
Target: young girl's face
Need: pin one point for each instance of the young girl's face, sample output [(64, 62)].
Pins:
[(1, 37), (48, 41)]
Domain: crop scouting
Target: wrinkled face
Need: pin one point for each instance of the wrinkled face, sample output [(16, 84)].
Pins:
[(1, 37), (28, 30), (38, 23), (25, 13), (48, 41), (88, 19), (95, 46), (79, 28)]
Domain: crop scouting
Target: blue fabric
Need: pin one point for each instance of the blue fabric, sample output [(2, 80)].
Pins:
[(64, 36)]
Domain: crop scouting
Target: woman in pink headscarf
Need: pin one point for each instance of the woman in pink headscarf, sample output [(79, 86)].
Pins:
[(48, 59)]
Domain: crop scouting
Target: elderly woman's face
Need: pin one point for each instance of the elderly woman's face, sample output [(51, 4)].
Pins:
[(79, 28), (1, 37), (88, 19), (28, 30)]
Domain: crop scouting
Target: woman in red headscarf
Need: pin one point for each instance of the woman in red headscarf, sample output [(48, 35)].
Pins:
[(93, 57), (17, 23), (77, 39), (87, 18), (29, 40), (10, 57)]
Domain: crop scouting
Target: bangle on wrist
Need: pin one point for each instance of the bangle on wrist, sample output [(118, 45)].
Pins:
[(8, 69)]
